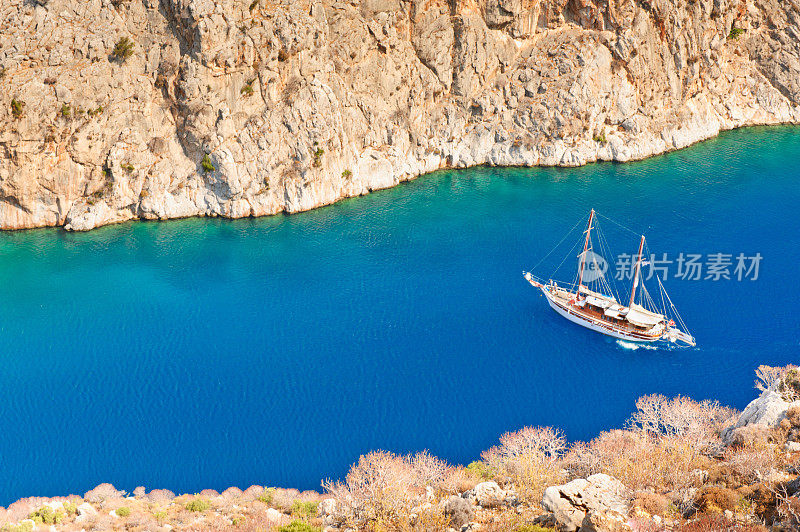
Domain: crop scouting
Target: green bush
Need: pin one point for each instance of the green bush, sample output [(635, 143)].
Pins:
[(66, 110), (247, 90), (46, 516), (735, 32), (160, 516), (480, 469), (198, 505), (123, 511), (266, 497), (304, 509), (318, 157), (533, 528), (347, 174), (16, 108), (206, 164), (71, 508), (123, 49), (600, 138), (128, 167), (298, 526)]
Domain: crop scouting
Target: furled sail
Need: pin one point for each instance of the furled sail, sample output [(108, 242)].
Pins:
[(642, 317)]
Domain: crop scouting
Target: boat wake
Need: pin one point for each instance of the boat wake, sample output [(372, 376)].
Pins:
[(634, 346)]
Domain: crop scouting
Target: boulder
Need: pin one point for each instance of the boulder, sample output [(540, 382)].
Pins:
[(327, 507), (273, 515), (606, 521), (597, 503), (85, 512), (486, 495), (766, 411)]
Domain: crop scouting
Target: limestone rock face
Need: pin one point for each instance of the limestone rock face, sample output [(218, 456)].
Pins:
[(598, 503), (764, 412), (229, 108)]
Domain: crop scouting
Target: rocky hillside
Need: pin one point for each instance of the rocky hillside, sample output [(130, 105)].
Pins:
[(679, 465), (119, 109)]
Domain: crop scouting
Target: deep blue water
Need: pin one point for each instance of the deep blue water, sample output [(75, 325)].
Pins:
[(207, 353)]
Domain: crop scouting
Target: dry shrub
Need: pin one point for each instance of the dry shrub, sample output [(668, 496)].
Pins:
[(793, 415), (683, 417), (530, 459), (385, 491), (719, 523), (789, 386), (763, 500), (722, 474), (159, 495), (650, 502), (507, 520), (767, 377), (102, 492), (460, 479), (754, 461), (756, 435), (716, 499), (640, 461), (282, 498), (789, 510), (785, 380)]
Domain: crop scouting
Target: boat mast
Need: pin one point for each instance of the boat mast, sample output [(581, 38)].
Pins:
[(636, 272), (585, 248)]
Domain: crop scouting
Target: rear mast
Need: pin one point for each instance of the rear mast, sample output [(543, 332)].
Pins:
[(636, 271), (585, 249)]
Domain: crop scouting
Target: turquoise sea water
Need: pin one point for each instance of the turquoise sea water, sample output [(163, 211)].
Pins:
[(208, 353)]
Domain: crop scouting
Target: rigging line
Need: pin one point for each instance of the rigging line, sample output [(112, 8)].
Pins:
[(675, 310), (663, 303), (569, 253), (556, 246), (605, 248), (617, 223)]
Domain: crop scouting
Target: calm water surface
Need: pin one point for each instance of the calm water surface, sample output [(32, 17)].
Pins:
[(208, 353)]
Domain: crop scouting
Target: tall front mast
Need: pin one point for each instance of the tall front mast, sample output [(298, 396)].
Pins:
[(585, 248), (636, 270)]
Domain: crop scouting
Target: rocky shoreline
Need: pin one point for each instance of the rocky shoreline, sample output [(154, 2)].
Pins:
[(112, 110), (678, 465)]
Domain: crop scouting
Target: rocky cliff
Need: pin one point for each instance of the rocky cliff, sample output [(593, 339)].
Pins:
[(119, 109)]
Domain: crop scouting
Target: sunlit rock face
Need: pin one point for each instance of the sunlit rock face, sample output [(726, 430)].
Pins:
[(239, 108)]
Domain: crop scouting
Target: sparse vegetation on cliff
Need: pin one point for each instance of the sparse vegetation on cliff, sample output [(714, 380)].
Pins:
[(206, 164), (317, 155), (198, 505), (123, 49), (735, 33), (16, 108)]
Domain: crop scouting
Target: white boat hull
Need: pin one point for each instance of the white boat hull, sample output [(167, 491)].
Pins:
[(603, 329)]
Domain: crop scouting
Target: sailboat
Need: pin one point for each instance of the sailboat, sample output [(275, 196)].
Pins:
[(592, 302)]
